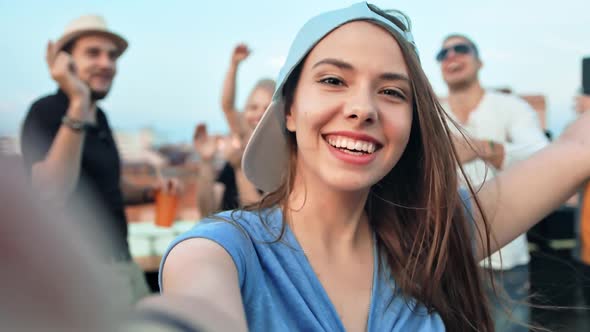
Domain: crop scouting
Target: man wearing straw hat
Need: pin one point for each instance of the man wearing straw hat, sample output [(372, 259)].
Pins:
[(69, 150)]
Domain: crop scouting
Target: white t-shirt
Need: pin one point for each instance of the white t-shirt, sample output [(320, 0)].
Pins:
[(509, 120)]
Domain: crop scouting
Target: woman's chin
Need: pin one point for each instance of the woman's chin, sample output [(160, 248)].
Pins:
[(349, 183)]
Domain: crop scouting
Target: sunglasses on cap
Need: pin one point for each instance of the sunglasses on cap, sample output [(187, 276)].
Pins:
[(458, 49)]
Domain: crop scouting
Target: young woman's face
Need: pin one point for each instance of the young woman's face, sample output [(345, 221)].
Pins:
[(352, 108)]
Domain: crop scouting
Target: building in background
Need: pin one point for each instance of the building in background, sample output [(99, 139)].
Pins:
[(9, 145), (137, 147)]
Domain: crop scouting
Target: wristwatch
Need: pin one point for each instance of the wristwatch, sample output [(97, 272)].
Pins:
[(74, 124)]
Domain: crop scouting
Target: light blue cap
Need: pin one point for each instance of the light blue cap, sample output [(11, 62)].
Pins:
[(266, 155)]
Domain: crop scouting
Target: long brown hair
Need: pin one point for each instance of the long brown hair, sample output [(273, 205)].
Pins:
[(416, 211)]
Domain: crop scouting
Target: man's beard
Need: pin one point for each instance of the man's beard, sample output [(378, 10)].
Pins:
[(98, 95)]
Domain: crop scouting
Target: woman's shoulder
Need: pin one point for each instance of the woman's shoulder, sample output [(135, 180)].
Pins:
[(238, 232), (262, 224)]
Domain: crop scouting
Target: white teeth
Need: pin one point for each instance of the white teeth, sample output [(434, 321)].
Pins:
[(351, 145), (356, 153), (344, 143)]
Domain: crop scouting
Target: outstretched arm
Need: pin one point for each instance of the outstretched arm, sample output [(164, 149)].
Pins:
[(529, 190)]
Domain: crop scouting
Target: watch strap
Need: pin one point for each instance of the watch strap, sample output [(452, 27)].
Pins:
[(74, 124)]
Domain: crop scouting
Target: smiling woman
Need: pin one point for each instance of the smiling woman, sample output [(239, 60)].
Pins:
[(363, 227), (353, 100)]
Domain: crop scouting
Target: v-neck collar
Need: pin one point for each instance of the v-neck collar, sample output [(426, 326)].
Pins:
[(319, 288), (473, 112)]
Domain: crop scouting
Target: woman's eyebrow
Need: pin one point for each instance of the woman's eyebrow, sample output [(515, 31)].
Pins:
[(334, 62)]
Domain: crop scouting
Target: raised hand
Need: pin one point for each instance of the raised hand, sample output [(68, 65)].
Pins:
[(63, 71), (240, 53), (204, 144)]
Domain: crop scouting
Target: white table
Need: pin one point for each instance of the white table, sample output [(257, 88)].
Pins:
[(148, 242)]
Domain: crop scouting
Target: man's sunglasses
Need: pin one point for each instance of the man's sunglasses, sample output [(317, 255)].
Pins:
[(458, 49)]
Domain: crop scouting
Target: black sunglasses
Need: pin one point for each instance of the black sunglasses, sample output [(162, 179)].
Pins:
[(459, 49)]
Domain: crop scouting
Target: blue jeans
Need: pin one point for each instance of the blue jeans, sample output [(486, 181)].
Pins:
[(507, 315)]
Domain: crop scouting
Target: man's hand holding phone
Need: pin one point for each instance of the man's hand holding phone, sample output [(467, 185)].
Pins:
[(63, 71)]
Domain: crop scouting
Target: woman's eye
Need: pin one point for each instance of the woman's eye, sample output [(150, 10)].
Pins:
[(394, 93), (332, 81)]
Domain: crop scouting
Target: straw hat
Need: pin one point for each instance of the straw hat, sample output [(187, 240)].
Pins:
[(89, 24)]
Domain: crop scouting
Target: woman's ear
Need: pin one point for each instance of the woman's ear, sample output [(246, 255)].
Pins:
[(290, 120)]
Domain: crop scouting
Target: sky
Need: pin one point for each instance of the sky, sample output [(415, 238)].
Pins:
[(171, 75)]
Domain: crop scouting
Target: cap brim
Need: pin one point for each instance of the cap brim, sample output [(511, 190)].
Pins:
[(119, 41), (267, 154)]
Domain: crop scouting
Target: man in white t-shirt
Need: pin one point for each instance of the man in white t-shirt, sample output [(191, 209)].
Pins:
[(504, 129)]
